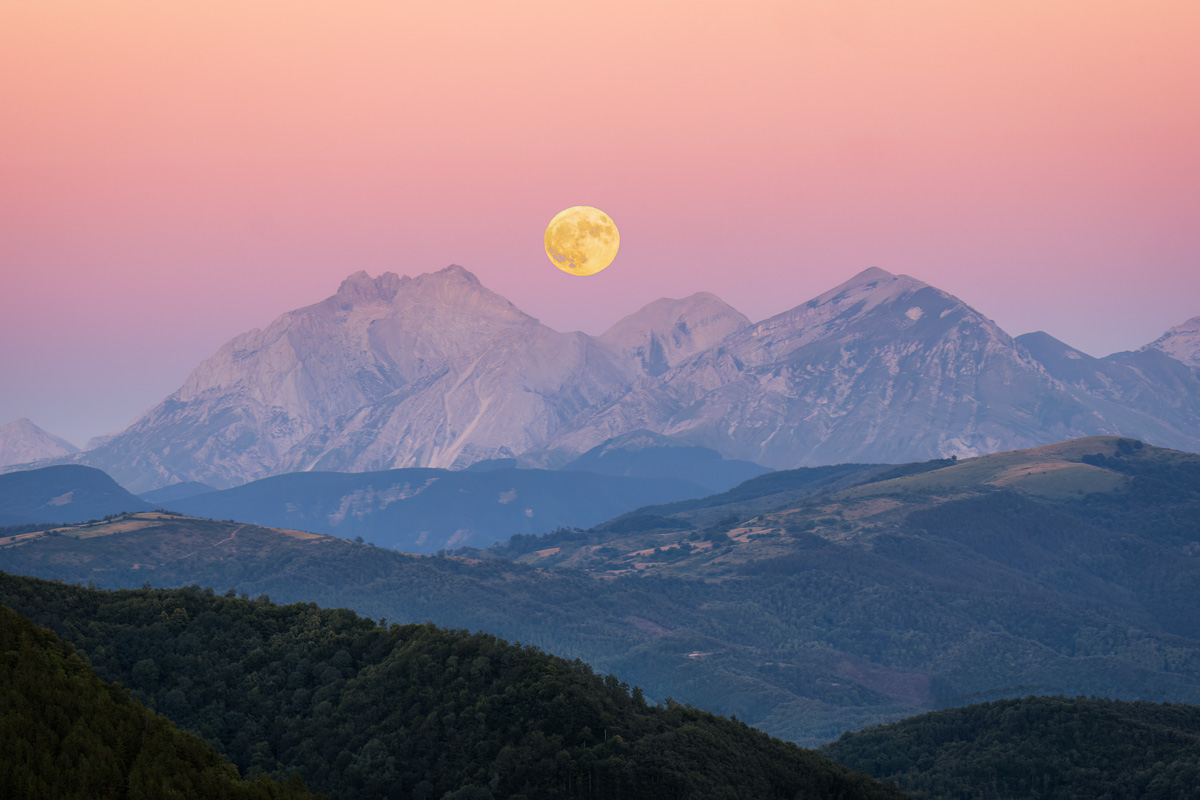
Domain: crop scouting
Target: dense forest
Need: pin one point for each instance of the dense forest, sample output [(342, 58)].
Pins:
[(366, 709), (1051, 748), (65, 733)]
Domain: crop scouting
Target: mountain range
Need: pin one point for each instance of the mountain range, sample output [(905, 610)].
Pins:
[(438, 371)]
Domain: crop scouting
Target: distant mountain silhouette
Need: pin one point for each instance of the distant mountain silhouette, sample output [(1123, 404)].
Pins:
[(645, 454), (66, 493), (426, 510), (176, 491)]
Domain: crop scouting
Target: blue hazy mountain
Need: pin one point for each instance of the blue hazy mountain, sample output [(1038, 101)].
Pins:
[(66, 493), (176, 491), (426, 510), (645, 454)]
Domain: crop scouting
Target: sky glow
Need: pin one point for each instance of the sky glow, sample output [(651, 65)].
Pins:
[(172, 174)]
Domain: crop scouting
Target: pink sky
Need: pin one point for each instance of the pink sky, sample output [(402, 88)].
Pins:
[(172, 174)]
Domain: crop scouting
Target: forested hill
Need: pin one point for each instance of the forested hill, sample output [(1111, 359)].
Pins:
[(66, 733), (1051, 748), (366, 710)]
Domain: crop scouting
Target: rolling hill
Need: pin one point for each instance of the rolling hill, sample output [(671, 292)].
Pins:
[(807, 603)]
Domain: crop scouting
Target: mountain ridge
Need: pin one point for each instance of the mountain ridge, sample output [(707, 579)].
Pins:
[(438, 371)]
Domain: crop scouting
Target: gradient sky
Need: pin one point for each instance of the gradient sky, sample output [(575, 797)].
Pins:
[(174, 173)]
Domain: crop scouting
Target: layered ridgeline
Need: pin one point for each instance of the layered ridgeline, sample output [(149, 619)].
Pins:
[(415, 510), (806, 602), (1053, 748), (64, 732), (427, 510), (366, 710), (438, 371)]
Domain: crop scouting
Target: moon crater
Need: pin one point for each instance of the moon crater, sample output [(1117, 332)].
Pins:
[(582, 240)]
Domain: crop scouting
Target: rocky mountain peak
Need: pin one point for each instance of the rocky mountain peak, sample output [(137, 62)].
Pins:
[(438, 370), (873, 304), (665, 332), (1181, 342), (362, 288), (453, 290), (872, 287), (22, 441)]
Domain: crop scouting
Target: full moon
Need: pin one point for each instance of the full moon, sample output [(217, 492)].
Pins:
[(582, 240)]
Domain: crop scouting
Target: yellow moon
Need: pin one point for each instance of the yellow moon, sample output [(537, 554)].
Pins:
[(582, 240)]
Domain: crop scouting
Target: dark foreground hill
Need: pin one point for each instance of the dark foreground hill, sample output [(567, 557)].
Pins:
[(66, 733), (1052, 748), (366, 710), (806, 603)]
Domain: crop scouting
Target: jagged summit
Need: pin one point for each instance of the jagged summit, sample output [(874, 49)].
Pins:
[(442, 285), (362, 287), (434, 370)]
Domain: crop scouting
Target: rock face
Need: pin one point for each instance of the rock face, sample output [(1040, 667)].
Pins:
[(1147, 393), (432, 371), (1181, 342), (882, 368), (667, 331), (438, 371), (22, 442)]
